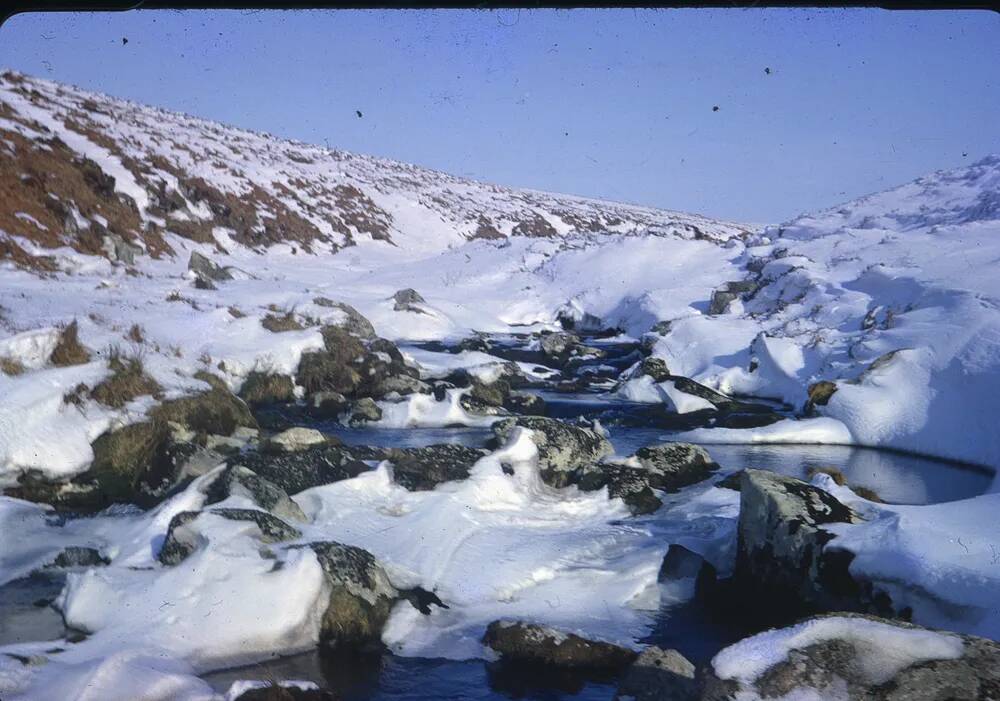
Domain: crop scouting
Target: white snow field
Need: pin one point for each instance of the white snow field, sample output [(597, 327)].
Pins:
[(895, 298)]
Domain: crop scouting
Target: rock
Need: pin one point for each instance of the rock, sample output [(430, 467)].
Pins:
[(563, 448), (79, 556), (119, 250), (237, 480), (535, 644), (123, 458), (653, 367), (295, 472), (330, 404), (659, 675), (283, 691), (727, 292), (364, 410), (732, 481), (478, 343), (672, 466), (202, 283), (361, 595), (407, 301), (625, 482), (558, 345), (572, 317), (422, 469), (680, 563), (352, 368), (267, 388), (781, 560), (820, 394), (216, 411), (857, 658), (355, 323), (294, 439), (183, 536), (528, 404), (203, 267)]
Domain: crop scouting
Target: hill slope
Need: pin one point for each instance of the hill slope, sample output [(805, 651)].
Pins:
[(79, 166)]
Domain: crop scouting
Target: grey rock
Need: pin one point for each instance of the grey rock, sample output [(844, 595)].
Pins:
[(563, 448), (294, 440), (79, 556), (355, 324), (516, 641), (727, 292), (659, 675), (204, 267), (119, 250), (183, 536), (330, 404), (781, 555), (361, 595), (364, 410), (237, 480), (852, 669), (421, 469), (295, 472), (407, 301), (672, 466)]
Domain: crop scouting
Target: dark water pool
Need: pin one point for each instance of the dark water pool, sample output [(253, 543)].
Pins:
[(391, 678)]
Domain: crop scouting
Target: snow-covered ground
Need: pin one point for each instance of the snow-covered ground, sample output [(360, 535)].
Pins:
[(894, 298)]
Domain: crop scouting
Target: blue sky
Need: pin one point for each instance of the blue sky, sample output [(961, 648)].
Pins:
[(604, 103)]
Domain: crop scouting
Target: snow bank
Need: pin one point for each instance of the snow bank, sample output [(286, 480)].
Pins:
[(883, 649)]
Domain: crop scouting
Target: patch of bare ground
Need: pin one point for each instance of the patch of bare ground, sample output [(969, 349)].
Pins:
[(279, 323)]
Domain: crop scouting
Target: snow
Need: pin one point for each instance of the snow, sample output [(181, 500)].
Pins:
[(883, 650)]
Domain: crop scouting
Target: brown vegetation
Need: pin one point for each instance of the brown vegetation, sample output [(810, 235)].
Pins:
[(69, 350), (127, 381)]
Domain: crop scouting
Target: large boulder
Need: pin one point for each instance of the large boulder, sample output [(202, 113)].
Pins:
[(561, 347), (782, 559), (361, 595), (625, 482), (184, 531), (295, 472), (240, 481), (563, 449), (355, 368), (529, 643), (421, 469), (856, 658), (659, 675)]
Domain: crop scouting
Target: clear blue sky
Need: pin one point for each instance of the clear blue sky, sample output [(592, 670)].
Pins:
[(605, 103)]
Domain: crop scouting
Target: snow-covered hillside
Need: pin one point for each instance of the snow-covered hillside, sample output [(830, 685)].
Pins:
[(178, 175)]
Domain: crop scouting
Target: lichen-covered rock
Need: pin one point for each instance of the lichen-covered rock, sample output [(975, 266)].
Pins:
[(856, 658), (294, 439), (659, 675), (653, 367), (728, 292), (527, 404), (781, 557), (204, 267), (407, 301), (267, 388), (625, 482), (561, 347), (184, 537), (329, 404), (364, 410), (563, 448), (80, 556), (421, 469), (361, 595), (295, 472), (354, 323), (672, 466), (216, 411), (237, 480), (534, 644)]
